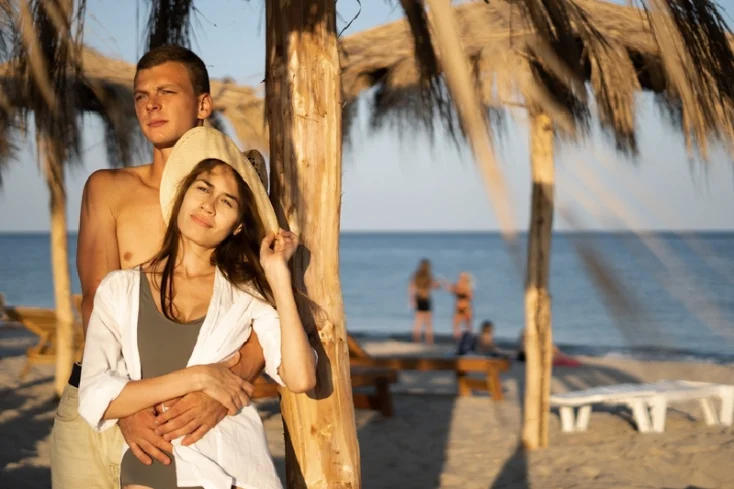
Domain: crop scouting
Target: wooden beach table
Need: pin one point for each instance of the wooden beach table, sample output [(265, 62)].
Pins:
[(376, 380), (462, 366)]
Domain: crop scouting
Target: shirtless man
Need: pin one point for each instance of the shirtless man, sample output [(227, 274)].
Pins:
[(120, 227)]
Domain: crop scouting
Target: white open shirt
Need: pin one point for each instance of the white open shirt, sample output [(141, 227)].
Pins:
[(233, 453)]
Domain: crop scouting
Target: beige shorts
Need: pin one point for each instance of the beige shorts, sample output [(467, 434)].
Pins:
[(81, 458)]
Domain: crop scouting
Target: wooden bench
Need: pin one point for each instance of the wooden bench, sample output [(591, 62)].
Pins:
[(379, 379), (42, 323), (463, 366)]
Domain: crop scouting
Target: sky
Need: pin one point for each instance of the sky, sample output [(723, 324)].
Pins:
[(406, 182)]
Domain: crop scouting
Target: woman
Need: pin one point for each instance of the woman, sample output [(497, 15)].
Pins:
[(419, 293), (464, 293), (175, 324)]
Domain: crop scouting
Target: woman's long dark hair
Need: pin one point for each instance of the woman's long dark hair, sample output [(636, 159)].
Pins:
[(238, 256)]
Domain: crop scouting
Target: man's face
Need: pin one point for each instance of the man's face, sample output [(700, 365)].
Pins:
[(166, 104)]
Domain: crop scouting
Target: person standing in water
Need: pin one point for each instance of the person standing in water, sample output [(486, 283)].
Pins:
[(419, 294), (463, 290)]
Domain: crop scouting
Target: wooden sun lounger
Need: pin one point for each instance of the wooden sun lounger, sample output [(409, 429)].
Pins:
[(42, 323), (461, 365), (379, 379)]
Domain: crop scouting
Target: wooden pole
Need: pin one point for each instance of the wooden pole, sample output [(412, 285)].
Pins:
[(54, 174), (538, 335), (303, 97)]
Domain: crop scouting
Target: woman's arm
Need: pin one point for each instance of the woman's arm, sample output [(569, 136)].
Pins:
[(215, 379), (296, 366), (298, 363), (105, 371), (141, 394)]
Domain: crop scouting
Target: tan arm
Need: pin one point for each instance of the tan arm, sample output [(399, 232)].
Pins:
[(97, 251)]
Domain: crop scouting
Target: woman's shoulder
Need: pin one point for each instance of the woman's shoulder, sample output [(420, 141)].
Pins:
[(252, 301), (246, 292), (117, 279)]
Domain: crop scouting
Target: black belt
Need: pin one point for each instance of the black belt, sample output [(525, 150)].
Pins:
[(76, 375)]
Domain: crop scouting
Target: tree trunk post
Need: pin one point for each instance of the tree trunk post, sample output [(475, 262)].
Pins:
[(303, 97), (538, 335), (54, 173)]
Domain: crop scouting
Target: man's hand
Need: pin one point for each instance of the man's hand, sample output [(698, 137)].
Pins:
[(191, 416), (139, 433), (195, 414)]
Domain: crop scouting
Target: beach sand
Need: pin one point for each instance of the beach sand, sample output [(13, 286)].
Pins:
[(437, 440)]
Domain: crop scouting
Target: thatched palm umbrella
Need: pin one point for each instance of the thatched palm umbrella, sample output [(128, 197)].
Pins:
[(617, 50), (619, 56)]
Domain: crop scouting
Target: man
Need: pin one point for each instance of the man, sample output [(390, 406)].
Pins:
[(121, 226)]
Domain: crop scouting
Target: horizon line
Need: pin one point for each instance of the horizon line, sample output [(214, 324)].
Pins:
[(464, 231)]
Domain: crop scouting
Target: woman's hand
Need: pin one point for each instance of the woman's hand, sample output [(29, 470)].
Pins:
[(275, 251), (218, 382)]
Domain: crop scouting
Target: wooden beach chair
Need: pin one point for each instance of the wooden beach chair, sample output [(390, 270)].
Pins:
[(42, 323), (375, 380), (462, 366), (648, 403)]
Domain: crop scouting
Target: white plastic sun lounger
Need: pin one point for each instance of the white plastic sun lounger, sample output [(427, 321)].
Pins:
[(648, 403)]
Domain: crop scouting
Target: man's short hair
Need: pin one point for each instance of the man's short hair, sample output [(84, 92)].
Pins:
[(198, 74)]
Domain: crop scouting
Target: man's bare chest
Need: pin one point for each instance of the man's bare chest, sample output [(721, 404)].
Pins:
[(140, 230)]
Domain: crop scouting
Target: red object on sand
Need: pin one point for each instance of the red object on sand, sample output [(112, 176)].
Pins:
[(563, 361)]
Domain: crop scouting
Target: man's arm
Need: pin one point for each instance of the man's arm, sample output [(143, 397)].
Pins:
[(252, 360), (97, 253)]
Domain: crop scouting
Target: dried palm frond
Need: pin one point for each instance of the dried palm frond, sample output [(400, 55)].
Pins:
[(46, 62), (169, 22)]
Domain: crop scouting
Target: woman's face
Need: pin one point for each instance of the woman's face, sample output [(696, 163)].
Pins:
[(210, 208)]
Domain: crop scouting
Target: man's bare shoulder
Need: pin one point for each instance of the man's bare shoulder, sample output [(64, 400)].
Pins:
[(117, 179), (112, 184)]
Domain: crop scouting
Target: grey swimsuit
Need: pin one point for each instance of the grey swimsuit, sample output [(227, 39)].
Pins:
[(164, 346)]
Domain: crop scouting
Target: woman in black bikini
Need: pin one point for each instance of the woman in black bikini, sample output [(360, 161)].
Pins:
[(463, 291), (419, 293)]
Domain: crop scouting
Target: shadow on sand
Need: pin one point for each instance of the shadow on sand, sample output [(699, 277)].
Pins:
[(515, 472), (20, 434), (427, 418)]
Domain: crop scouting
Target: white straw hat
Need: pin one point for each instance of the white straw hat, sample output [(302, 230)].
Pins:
[(203, 143)]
